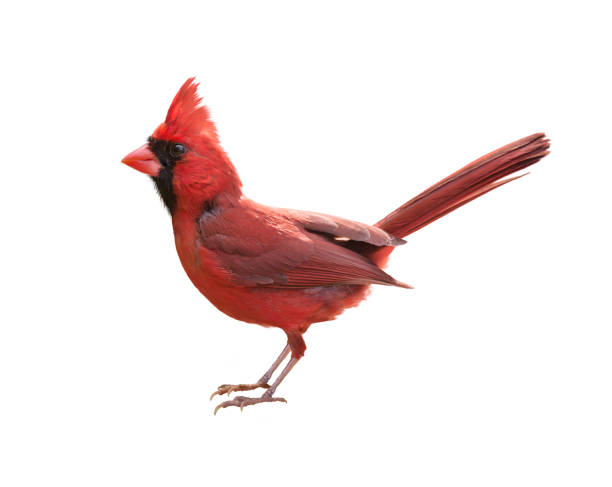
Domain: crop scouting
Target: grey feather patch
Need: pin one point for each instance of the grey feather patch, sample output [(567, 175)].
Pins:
[(343, 229)]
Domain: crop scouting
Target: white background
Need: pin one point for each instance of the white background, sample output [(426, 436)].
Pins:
[(495, 370)]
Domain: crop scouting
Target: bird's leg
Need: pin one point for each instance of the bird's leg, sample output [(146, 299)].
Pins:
[(279, 360), (242, 401), (263, 382)]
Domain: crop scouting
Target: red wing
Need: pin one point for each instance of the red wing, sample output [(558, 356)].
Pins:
[(343, 229), (262, 248), (334, 264)]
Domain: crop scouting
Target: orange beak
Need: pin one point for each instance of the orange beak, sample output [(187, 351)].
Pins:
[(143, 160)]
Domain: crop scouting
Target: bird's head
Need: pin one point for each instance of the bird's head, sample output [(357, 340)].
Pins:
[(184, 157)]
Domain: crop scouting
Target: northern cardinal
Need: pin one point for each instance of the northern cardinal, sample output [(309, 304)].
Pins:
[(280, 267)]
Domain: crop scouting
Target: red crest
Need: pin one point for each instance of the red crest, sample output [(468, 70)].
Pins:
[(186, 117)]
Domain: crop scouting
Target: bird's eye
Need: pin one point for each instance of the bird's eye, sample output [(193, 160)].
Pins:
[(177, 150)]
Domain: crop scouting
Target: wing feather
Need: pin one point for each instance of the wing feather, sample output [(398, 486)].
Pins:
[(343, 228), (266, 248)]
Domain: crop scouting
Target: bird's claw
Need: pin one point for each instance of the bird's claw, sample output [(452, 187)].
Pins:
[(243, 401), (229, 388)]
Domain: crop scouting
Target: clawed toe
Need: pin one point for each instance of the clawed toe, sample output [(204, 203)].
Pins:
[(243, 401), (229, 388)]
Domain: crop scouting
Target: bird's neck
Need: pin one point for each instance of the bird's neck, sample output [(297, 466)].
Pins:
[(191, 209), (197, 187)]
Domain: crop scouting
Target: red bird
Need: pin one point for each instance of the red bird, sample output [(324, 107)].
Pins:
[(279, 267)]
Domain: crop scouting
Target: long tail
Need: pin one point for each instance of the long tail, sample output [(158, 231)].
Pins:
[(468, 183)]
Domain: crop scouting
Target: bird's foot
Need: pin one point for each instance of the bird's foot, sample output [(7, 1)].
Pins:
[(242, 401), (229, 388)]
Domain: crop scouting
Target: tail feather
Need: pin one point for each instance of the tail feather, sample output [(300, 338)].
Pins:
[(468, 183)]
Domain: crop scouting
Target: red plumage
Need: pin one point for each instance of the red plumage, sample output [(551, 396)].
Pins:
[(280, 267)]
